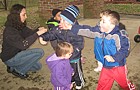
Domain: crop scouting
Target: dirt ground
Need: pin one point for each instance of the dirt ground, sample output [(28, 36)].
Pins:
[(41, 79)]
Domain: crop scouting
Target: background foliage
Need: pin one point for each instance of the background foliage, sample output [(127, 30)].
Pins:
[(33, 16)]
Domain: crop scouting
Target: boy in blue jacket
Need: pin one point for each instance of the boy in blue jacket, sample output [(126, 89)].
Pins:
[(111, 47), (60, 68)]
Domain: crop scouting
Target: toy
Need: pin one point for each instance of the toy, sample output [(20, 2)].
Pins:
[(137, 37)]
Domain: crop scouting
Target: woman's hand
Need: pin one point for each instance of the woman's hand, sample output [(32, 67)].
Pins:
[(41, 31)]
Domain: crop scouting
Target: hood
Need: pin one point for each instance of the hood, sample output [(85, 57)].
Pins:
[(116, 29), (52, 60)]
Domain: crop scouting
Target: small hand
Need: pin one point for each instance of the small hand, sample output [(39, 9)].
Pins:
[(109, 58), (71, 86), (73, 74), (42, 41)]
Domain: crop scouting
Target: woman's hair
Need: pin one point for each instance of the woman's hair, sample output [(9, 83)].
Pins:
[(13, 19), (63, 48)]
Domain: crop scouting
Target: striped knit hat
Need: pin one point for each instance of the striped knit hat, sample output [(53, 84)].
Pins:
[(70, 13)]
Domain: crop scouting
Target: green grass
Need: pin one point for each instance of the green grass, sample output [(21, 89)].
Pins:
[(124, 8), (3, 15)]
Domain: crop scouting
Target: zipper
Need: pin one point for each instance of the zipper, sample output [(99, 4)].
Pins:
[(103, 37)]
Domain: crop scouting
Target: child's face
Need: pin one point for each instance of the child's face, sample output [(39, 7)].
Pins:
[(64, 24), (57, 16), (106, 25)]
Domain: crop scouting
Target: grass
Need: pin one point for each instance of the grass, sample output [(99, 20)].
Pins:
[(3, 15), (124, 8)]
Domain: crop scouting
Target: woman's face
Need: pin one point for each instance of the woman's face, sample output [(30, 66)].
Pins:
[(23, 15)]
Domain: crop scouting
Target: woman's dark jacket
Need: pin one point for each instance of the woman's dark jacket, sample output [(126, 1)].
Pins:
[(15, 41)]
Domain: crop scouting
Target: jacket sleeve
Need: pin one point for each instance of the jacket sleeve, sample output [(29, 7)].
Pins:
[(27, 32), (50, 35), (85, 30), (21, 42), (78, 44), (123, 52)]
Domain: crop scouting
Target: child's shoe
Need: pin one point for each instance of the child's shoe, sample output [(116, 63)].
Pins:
[(78, 87), (73, 82)]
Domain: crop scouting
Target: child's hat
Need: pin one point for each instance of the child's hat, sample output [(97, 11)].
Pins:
[(55, 11), (70, 13)]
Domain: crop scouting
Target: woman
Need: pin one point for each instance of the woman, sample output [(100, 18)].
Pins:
[(17, 38)]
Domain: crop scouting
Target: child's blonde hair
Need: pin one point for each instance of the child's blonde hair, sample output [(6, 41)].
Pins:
[(63, 48)]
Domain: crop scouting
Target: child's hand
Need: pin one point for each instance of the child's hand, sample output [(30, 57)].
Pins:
[(83, 59), (109, 58), (72, 74), (71, 86), (42, 41)]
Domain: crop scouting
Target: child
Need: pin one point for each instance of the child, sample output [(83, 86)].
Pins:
[(121, 27), (60, 68), (100, 65), (62, 33), (111, 47), (53, 22)]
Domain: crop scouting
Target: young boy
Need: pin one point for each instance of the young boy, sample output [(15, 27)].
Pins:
[(100, 65), (60, 68), (62, 33), (53, 22), (121, 27), (111, 47)]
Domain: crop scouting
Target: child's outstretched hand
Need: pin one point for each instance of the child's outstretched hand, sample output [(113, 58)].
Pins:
[(109, 58), (42, 41)]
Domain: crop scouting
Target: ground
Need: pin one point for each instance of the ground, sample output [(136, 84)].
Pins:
[(41, 79)]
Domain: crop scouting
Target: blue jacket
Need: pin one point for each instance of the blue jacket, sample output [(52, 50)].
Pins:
[(67, 36), (115, 44), (61, 71)]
